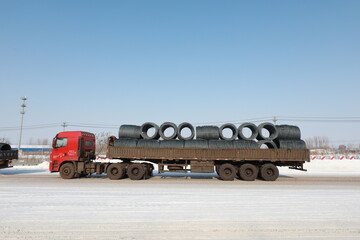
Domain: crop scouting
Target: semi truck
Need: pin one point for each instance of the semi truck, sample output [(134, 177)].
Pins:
[(73, 155), (7, 155)]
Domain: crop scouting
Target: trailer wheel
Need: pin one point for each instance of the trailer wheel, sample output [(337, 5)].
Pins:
[(67, 171), (248, 172), (269, 172), (136, 171), (227, 172), (115, 171)]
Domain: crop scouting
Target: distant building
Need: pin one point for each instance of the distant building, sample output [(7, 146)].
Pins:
[(33, 148)]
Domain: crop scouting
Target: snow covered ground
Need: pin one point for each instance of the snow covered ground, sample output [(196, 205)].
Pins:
[(322, 203)]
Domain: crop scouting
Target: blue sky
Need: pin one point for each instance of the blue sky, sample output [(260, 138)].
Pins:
[(116, 62)]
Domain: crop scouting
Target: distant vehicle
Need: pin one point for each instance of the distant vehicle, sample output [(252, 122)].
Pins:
[(7, 155), (73, 155)]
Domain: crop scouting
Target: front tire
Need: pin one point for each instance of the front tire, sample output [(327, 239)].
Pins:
[(67, 171)]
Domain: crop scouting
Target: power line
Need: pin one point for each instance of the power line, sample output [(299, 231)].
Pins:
[(64, 125)]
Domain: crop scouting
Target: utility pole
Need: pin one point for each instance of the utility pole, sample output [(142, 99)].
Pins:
[(64, 125), (22, 112)]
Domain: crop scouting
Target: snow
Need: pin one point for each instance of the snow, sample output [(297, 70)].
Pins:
[(318, 204)]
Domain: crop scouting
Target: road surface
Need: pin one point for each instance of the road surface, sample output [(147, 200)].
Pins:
[(35, 204)]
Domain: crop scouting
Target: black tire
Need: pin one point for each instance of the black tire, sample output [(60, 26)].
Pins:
[(115, 171), (67, 171), (227, 172), (165, 126), (248, 172), (136, 171), (230, 126), (269, 172)]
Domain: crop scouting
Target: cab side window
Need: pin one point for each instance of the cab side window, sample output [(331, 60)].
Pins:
[(61, 142), (88, 143)]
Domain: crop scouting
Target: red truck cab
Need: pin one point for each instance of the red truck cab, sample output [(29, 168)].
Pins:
[(70, 147)]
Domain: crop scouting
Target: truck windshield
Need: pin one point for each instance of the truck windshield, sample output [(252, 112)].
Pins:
[(61, 142)]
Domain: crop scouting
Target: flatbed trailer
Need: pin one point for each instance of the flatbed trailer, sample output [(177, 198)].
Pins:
[(76, 158)]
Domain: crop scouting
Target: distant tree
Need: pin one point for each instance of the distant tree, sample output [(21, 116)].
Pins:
[(342, 147), (38, 141), (101, 142), (350, 146), (4, 140), (317, 142)]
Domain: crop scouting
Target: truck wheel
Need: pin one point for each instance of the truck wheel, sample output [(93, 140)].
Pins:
[(67, 171), (136, 171), (248, 172), (115, 171), (227, 172), (269, 172)]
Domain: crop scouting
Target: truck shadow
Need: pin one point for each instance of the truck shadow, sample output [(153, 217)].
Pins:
[(186, 175)]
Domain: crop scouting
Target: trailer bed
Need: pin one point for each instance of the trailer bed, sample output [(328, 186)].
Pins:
[(158, 154)]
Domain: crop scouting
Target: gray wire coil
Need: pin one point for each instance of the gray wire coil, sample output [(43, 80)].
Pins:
[(245, 144), (171, 144), (148, 143), (196, 144), (221, 144), (125, 142), (129, 131), (207, 132), (165, 126), (233, 129), (273, 133), (288, 132), (5, 147), (267, 143), (145, 128), (252, 127), (290, 144), (188, 126)]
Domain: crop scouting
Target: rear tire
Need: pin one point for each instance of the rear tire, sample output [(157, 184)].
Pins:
[(227, 172), (67, 171), (115, 171), (136, 171), (248, 172), (269, 172)]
